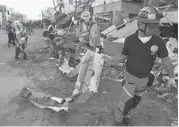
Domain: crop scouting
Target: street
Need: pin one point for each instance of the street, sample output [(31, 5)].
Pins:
[(15, 111)]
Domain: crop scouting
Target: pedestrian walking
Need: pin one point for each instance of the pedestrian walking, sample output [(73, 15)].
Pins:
[(11, 33), (140, 51), (20, 40), (51, 43)]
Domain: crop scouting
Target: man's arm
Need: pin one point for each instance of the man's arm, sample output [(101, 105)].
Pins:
[(163, 54), (167, 63), (120, 57), (117, 58)]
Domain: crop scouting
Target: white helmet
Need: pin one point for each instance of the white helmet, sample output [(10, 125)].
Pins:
[(60, 32), (16, 23), (86, 16)]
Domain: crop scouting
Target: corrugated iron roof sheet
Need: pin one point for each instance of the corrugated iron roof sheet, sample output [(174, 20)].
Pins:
[(171, 17), (129, 29)]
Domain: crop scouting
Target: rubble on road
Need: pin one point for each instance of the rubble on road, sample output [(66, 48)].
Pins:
[(57, 79), (42, 100)]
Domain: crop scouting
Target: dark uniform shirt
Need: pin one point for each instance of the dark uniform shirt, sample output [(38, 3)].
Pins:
[(141, 56)]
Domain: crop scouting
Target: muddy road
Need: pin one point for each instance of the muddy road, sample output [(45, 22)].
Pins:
[(45, 75)]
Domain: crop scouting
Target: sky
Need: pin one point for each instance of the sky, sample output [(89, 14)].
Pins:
[(32, 8)]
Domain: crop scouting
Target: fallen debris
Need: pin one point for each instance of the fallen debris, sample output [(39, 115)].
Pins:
[(42, 100)]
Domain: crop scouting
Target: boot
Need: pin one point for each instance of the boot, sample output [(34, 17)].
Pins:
[(25, 57), (16, 58), (119, 123), (127, 121)]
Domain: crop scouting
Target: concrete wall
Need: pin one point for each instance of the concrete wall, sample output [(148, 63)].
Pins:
[(107, 7), (151, 2), (132, 8), (68, 8)]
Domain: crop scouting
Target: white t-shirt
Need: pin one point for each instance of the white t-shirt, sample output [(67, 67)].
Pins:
[(145, 39)]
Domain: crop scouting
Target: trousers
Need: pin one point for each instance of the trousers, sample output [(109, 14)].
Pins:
[(53, 51), (18, 50), (11, 38), (132, 89)]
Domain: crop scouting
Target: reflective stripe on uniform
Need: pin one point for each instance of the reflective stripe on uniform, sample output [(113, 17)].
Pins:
[(141, 90), (127, 92)]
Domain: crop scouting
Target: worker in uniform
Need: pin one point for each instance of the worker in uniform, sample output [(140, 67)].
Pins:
[(140, 51), (20, 40), (90, 31)]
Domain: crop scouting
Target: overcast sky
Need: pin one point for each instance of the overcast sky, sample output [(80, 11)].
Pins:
[(32, 8)]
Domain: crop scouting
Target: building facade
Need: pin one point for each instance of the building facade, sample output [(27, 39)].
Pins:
[(110, 12), (68, 6)]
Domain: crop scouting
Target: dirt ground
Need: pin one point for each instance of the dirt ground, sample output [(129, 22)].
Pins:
[(154, 109)]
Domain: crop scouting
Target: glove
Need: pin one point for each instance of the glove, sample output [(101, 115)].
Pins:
[(77, 88), (171, 83)]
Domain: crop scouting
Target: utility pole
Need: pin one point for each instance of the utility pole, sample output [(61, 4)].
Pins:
[(76, 5), (54, 6)]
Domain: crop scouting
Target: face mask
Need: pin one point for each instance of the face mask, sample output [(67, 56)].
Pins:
[(145, 39), (149, 29)]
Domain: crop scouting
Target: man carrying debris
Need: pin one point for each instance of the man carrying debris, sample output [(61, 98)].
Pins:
[(140, 51), (20, 39), (92, 31), (89, 30)]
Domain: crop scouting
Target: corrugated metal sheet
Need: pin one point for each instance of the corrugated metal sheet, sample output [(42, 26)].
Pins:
[(129, 29), (171, 17)]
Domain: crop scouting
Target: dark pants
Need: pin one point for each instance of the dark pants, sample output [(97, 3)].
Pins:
[(18, 50), (11, 38)]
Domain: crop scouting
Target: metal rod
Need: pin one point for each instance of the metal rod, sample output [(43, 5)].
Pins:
[(121, 25), (168, 6), (54, 6)]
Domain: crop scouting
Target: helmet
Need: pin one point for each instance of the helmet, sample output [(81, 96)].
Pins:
[(86, 16), (150, 14), (16, 23), (148, 20), (61, 32)]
